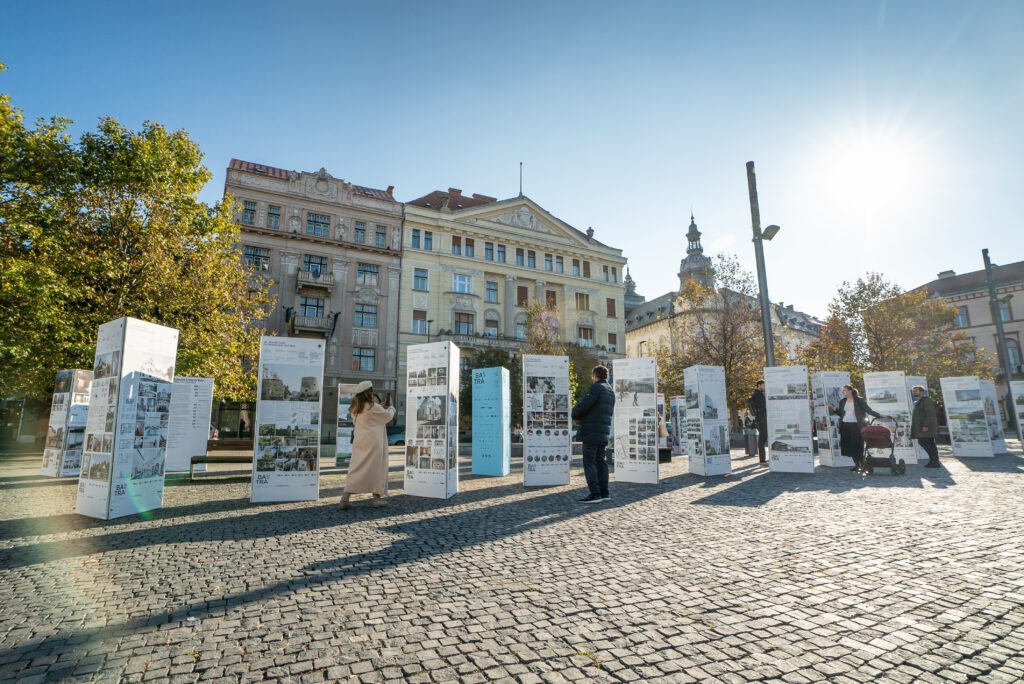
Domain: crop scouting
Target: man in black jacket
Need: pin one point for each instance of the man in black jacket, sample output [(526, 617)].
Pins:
[(593, 416), (758, 408)]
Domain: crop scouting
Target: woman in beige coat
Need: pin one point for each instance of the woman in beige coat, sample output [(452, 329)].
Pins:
[(368, 467)]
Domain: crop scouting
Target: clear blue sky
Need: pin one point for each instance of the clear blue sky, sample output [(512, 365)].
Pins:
[(887, 136)]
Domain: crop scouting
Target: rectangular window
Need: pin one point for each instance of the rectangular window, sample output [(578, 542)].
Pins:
[(576, 267), (606, 274), (420, 282), (531, 259), (457, 245), (582, 301), (492, 292), (962, 318), (462, 283), (366, 316), (615, 275), (360, 235), (610, 307), (381, 236), (463, 323), (318, 224), (489, 251), (419, 322), (551, 297), (248, 213), (559, 265), (258, 257), (314, 264), (613, 342), (273, 216), (366, 274), (1004, 312), (586, 269), (428, 241), (415, 238), (522, 296), (363, 358), (586, 336), (549, 263), (311, 306), (520, 257), (520, 330), (491, 327), (470, 247), (501, 254)]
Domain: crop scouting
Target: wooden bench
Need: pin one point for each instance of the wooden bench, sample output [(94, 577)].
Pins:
[(217, 458)]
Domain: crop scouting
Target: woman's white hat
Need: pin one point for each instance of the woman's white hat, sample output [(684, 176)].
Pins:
[(363, 386)]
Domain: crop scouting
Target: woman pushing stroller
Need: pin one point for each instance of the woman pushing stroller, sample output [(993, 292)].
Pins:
[(853, 412)]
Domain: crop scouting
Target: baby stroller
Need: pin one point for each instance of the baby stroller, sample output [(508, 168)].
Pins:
[(879, 436)]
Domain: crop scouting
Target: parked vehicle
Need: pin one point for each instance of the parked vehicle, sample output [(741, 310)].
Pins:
[(396, 435)]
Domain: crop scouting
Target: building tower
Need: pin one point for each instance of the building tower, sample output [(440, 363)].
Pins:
[(695, 266), (632, 299)]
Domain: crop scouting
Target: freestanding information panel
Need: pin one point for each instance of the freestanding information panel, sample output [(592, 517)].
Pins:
[(492, 406), (65, 434), (1017, 394), (827, 388), (547, 440), (887, 393), (635, 425), (965, 416), (343, 442), (913, 380), (707, 427), (129, 413), (432, 420), (286, 453), (188, 428), (993, 416), (677, 410), (789, 420)]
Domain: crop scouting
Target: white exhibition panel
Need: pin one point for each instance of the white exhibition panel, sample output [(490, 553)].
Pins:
[(993, 416), (432, 420), (129, 413), (886, 392), (65, 433), (188, 430), (635, 426), (663, 442), (286, 447), (547, 425), (492, 418), (790, 445), (343, 441), (677, 409), (707, 424), (913, 380), (827, 388), (1017, 392), (965, 416)]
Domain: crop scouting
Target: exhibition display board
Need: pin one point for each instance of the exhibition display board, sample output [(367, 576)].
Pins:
[(635, 423), (286, 448), (965, 416), (492, 416), (913, 380), (827, 388), (789, 420), (188, 429), (547, 436), (707, 424), (677, 433), (65, 433), (993, 416), (343, 441), (129, 413), (663, 442), (1017, 393), (886, 392), (432, 420)]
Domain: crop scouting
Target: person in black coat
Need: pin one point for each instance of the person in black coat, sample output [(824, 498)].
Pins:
[(758, 408), (593, 414), (852, 412)]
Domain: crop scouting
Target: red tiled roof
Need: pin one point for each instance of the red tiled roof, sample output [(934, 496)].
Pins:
[(456, 200), (375, 193), (284, 174)]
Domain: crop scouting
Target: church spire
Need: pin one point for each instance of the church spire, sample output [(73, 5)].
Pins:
[(695, 266), (693, 237)]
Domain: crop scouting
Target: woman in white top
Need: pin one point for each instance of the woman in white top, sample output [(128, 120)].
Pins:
[(852, 412)]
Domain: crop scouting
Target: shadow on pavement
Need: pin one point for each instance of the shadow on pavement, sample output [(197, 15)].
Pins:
[(1001, 463)]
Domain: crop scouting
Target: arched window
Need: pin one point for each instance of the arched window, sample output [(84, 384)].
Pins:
[(521, 327)]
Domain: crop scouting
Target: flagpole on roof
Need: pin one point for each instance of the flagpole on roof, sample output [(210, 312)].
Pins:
[(520, 179)]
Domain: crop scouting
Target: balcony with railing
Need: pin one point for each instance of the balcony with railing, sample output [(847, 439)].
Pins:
[(313, 323), (316, 279)]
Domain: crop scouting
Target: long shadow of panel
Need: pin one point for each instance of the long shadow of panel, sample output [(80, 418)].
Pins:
[(1002, 463)]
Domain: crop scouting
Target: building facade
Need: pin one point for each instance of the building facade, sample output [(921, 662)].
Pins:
[(472, 264), (968, 293), (331, 252)]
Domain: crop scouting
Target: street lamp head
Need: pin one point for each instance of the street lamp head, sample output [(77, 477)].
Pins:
[(770, 232)]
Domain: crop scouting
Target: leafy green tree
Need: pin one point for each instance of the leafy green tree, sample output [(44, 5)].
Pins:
[(110, 225), (491, 358), (544, 336)]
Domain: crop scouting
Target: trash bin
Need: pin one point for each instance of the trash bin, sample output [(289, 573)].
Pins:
[(751, 441)]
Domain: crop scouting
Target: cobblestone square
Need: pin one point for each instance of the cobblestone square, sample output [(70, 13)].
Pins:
[(755, 576)]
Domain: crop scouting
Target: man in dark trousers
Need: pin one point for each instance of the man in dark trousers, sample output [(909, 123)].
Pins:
[(758, 408), (593, 416), (924, 424)]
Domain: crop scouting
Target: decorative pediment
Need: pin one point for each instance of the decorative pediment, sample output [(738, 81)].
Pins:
[(521, 218)]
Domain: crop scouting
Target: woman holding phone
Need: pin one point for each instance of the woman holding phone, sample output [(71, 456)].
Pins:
[(368, 466)]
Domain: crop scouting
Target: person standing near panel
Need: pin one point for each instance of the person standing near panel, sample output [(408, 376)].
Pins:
[(368, 466), (924, 425), (758, 407), (852, 411), (593, 414)]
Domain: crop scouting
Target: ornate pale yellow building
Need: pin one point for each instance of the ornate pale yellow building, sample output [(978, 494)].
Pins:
[(472, 264)]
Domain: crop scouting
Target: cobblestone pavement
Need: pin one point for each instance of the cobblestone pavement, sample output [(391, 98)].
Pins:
[(756, 576)]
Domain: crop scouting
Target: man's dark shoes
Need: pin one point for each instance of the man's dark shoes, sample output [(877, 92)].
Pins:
[(854, 469), (606, 496), (593, 498), (932, 465)]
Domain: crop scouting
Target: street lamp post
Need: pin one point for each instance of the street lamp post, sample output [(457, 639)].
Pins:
[(1001, 350), (762, 277)]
